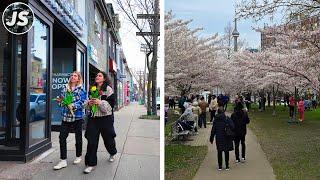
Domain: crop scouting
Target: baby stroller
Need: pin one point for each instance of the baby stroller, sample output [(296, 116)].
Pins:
[(184, 126)]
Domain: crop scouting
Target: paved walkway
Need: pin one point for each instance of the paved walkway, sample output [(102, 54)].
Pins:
[(138, 144), (255, 167)]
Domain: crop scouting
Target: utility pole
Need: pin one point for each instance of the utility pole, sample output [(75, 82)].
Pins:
[(155, 32)]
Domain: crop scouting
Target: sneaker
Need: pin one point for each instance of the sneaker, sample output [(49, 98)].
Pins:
[(227, 168), (77, 160), (88, 169), (243, 159), (60, 165), (220, 169), (111, 158), (237, 161)]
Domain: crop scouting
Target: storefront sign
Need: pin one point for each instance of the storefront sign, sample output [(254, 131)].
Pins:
[(112, 65), (93, 53), (59, 80), (68, 14)]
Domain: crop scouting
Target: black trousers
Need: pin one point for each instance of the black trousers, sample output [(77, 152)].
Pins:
[(202, 120), (64, 132), (226, 158), (95, 127), (291, 111), (237, 141), (212, 113)]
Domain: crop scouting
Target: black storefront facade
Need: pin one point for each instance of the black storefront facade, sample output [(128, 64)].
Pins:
[(33, 68)]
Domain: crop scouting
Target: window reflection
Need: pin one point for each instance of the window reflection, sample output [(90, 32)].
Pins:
[(38, 84)]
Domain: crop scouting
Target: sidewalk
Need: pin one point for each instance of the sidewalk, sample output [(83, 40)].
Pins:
[(138, 144), (255, 167)]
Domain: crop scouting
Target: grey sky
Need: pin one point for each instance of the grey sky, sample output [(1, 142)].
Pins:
[(213, 16)]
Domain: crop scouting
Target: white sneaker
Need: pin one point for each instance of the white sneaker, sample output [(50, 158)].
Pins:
[(227, 169), (237, 161), (60, 165), (111, 158), (88, 169), (243, 159), (77, 160), (219, 169)]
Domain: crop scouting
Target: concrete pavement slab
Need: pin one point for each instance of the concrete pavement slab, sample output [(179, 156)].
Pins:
[(145, 128), (255, 167), (138, 167), (104, 170), (142, 146)]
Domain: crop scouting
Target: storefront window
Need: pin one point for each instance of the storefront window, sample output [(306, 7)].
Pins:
[(38, 85)]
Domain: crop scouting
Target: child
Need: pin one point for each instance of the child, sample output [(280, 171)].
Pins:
[(301, 109)]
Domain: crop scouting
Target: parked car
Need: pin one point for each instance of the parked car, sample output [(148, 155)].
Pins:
[(37, 106)]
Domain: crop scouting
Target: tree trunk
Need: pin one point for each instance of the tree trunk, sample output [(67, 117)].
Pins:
[(274, 101), (156, 28), (149, 95), (269, 99)]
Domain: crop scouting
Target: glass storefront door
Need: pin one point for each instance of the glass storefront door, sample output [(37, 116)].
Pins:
[(10, 87), (38, 81)]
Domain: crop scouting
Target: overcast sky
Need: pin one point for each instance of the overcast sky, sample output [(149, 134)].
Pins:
[(213, 16)]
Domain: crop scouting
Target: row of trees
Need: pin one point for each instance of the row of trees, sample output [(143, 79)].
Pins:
[(292, 60)]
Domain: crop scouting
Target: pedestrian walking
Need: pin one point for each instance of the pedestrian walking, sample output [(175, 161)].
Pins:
[(314, 102), (248, 101), (292, 103), (301, 109), (202, 118), (71, 101), (213, 106), (240, 119), (196, 111), (182, 100), (220, 132), (101, 121)]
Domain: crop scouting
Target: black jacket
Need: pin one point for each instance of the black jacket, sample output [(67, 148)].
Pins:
[(223, 142), (240, 120)]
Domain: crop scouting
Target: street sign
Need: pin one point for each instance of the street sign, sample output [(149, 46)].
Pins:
[(148, 16), (148, 33)]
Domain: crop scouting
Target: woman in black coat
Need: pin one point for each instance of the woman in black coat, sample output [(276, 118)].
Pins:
[(240, 120), (223, 142)]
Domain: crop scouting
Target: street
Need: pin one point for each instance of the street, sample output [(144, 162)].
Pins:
[(138, 144)]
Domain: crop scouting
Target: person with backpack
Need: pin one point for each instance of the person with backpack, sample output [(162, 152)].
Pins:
[(240, 120), (222, 131)]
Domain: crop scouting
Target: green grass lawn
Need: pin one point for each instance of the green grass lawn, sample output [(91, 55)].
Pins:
[(182, 162), (292, 149)]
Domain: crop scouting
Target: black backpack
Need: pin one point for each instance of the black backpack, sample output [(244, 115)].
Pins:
[(228, 129)]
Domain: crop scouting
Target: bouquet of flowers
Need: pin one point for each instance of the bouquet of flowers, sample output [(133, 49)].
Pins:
[(94, 94), (67, 101)]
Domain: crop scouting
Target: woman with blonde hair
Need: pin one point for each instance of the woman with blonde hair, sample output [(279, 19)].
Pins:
[(71, 101)]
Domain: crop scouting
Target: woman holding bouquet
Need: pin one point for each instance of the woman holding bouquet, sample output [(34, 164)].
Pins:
[(101, 120), (71, 100)]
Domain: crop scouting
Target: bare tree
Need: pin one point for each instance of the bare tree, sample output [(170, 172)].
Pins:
[(131, 8)]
